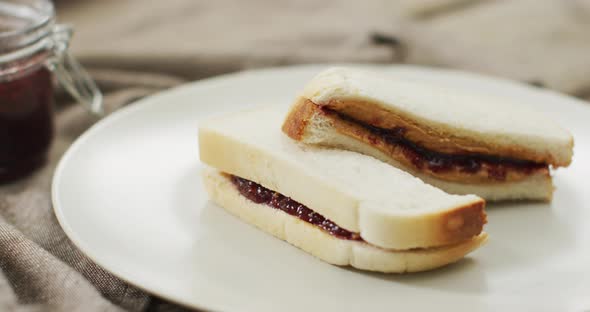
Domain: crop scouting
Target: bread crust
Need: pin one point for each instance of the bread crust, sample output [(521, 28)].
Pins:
[(326, 247), (298, 118), (304, 110), (464, 223)]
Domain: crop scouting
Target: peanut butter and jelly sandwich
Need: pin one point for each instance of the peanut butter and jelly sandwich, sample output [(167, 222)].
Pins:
[(342, 207), (460, 142)]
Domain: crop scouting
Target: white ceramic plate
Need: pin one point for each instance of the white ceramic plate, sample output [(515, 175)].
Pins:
[(129, 195)]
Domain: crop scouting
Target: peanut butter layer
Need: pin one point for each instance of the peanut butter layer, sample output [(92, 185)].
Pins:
[(428, 137), (464, 168)]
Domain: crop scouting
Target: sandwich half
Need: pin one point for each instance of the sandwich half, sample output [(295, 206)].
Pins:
[(459, 142), (342, 207)]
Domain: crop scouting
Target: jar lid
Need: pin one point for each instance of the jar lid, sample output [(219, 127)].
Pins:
[(23, 22)]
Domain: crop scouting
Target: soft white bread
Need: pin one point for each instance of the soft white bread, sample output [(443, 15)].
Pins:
[(388, 207), (325, 246), (320, 130), (475, 122)]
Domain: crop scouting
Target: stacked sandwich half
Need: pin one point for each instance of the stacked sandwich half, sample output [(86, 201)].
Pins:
[(341, 180)]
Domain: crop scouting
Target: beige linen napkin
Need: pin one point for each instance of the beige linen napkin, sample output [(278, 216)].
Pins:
[(546, 42)]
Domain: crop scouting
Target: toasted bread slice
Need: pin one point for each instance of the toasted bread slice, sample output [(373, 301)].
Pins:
[(388, 207), (326, 247)]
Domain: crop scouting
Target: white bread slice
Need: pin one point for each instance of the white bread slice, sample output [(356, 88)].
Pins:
[(451, 114), (319, 130), (388, 207), (325, 246)]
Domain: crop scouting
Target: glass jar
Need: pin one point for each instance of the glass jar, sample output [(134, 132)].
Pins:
[(34, 51)]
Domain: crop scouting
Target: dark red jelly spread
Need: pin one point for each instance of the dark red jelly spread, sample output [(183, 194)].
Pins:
[(261, 195), (26, 123), (497, 166)]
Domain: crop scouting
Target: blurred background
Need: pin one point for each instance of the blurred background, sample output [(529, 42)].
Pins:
[(543, 42)]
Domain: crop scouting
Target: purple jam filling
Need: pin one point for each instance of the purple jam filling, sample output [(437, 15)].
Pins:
[(261, 195)]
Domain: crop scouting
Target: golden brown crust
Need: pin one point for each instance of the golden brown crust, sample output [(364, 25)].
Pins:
[(463, 223), (431, 138), (299, 116), (297, 119)]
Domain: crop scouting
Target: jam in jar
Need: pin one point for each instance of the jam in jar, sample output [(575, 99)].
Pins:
[(26, 123), (33, 50)]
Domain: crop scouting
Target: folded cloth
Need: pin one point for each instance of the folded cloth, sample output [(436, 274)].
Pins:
[(194, 39), (542, 42)]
